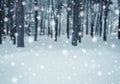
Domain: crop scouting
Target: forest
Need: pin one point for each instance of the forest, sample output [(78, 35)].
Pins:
[(54, 18)]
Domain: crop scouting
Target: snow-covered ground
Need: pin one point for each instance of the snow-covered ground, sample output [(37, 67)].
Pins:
[(49, 62)]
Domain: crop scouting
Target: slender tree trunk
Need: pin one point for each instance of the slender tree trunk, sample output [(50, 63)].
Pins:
[(56, 28), (119, 22), (49, 32), (87, 17), (68, 19), (20, 23), (92, 17), (10, 15), (101, 15), (36, 20), (1, 20), (76, 23), (106, 10), (59, 31)]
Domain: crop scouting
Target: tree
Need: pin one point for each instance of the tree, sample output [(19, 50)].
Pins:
[(36, 20), (20, 23), (76, 23), (106, 3), (92, 17), (68, 18), (87, 17), (10, 16), (101, 15), (1, 20), (119, 21)]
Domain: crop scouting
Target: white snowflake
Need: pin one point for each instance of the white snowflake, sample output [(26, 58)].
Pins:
[(113, 45), (24, 3), (84, 51), (74, 56), (69, 77), (16, 34), (14, 80), (94, 39), (13, 64), (50, 46), (38, 17), (34, 74), (117, 12), (42, 67), (81, 13), (65, 52), (5, 19), (36, 8), (100, 73), (69, 8), (30, 39), (37, 54)]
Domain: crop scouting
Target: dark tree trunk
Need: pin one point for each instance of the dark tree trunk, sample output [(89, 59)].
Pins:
[(76, 23), (68, 19), (20, 23), (59, 31), (87, 17), (106, 10), (92, 17), (1, 20), (101, 14), (119, 22), (10, 15), (56, 28), (49, 30), (36, 20), (80, 24)]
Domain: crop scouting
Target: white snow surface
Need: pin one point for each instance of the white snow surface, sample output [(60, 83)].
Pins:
[(48, 62)]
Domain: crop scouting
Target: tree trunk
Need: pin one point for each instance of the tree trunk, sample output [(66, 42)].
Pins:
[(56, 28), (10, 15), (101, 15), (49, 30), (92, 17), (106, 10), (59, 25), (1, 20), (20, 23), (87, 18), (119, 23), (76, 24), (36, 20), (68, 19)]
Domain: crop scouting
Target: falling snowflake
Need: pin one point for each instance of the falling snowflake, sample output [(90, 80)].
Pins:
[(99, 73), (113, 45), (14, 80), (30, 39), (5, 19), (13, 64), (65, 52), (50, 46), (42, 67), (94, 39)]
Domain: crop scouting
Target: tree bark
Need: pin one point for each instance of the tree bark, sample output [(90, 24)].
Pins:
[(119, 22), (36, 20), (20, 23), (76, 23), (1, 20)]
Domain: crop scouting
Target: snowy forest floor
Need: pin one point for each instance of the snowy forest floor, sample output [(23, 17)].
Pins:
[(48, 62)]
